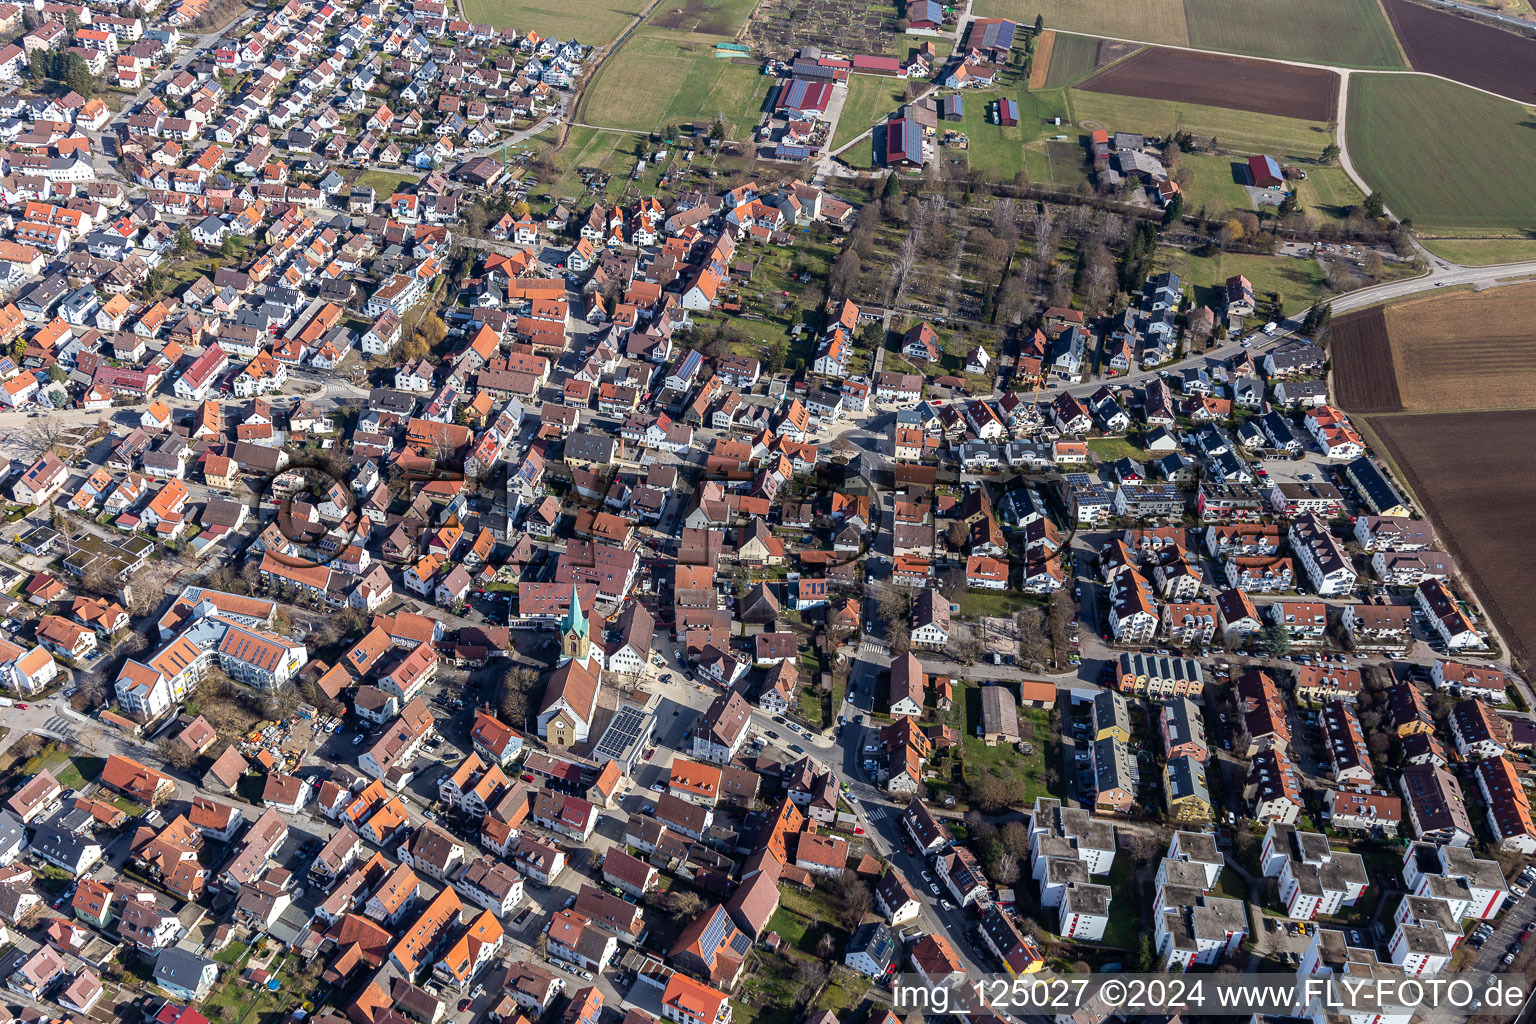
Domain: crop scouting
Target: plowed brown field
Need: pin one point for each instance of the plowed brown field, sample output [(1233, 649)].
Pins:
[(1466, 350), (1475, 474), (1212, 80), (1466, 51), (1364, 377)]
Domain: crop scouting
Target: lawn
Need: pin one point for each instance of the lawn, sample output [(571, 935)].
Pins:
[(1072, 59), (1445, 156), (1298, 281), (1112, 449), (870, 99), (975, 604), (991, 148), (386, 183), (594, 22), (656, 80), (1328, 192), (1213, 183), (78, 771), (1151, 21), (1238, 131), (1482, 252), (1346, 33), (1003, 760)]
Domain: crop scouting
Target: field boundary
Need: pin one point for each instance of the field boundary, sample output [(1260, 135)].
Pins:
[(1397, 38)]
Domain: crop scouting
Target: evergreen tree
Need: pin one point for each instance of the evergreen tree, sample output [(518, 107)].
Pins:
[(1175, 210), (892, 191), (1039, 23), (1375, 206)]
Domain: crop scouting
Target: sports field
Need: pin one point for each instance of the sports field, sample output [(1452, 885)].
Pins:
[(1237, 130), (1346, 33), (653, 81), (870, 98), (1150, 21), (1449, 158), (594, 22)]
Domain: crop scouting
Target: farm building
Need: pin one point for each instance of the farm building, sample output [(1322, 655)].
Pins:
[(992, 38), (999, 715), (878, 66), (903, 143), (795, 153), (925, 14), (1264, 172), (801, 98), (1007, 113), (952, 108)]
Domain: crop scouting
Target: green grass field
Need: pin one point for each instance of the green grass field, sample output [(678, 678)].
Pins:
[(656, 80), (870, 99), (1482, 252), (1072, 59), (1151, 21), (386, 183), (1328, 192), (997, 150), (1449, 158), (1299, 281), (1236, 130), (1213, 185), (1347, 33), (993, 148), (594, 22), (1027, 770)]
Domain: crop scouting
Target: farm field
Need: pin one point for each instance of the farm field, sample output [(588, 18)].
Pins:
[(870, 99), (1444, 156), (1482, 252), (1347, 33), (715, 19), (1151, 21), (1475, 476), (653, 81), (1438, 42), (1298, 281), (1364, 377), (1236, 130), (1466, 350), (594, 22), (1072, 58), (1259, 86)]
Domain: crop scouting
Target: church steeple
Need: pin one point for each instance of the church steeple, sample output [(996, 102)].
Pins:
[(575, 631)]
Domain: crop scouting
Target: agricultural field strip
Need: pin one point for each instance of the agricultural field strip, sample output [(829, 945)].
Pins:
[(1238, 83), (1341, 69)]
